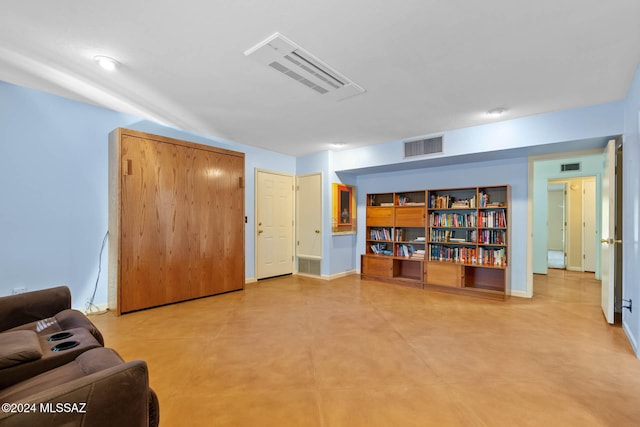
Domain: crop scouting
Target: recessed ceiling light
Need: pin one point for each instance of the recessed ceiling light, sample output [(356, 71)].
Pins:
[(496, 112), (338, 144), (106, 62)]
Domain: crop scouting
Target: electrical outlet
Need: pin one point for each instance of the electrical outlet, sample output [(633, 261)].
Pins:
[(19, 290)]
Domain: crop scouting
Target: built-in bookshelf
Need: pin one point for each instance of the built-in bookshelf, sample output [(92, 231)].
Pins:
[(455, 239), (468, 240), (396, 241)]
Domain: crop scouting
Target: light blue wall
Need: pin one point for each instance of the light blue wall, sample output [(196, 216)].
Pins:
[(631, 213), (338, 254), (543, 171), (54, 192), (513, 172), (529, 133)]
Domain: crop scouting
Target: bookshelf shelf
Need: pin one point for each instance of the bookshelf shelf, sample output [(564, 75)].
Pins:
[(453, 239)]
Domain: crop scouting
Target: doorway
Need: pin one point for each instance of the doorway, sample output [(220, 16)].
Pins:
[(572, 226), (309, 224), (556, 225)]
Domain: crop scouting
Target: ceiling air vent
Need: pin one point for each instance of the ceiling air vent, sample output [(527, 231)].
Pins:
[(285, 56), (422, 147), (567, 167)]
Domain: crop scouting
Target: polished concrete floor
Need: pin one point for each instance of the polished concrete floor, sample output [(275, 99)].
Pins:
[(297, 351)]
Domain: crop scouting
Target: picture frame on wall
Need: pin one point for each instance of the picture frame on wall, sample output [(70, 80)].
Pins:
[(343, 217)]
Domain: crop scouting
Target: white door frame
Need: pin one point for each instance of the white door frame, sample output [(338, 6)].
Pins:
[(532, 159)]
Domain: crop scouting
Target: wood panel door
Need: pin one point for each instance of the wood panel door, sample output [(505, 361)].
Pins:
[(180, 232)]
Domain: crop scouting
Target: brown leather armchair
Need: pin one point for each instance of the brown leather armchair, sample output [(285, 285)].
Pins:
[(97, 389), (44, 312)]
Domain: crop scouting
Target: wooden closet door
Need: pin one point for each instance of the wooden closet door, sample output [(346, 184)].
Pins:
[(217, 214), (155, 249), (181, 221)]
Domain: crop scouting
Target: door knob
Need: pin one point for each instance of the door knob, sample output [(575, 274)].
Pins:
[(610, 241), (259, 231)]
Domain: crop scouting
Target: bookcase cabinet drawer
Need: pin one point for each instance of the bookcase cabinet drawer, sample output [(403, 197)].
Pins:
[(379, 216), (377, 266), (444, 274)]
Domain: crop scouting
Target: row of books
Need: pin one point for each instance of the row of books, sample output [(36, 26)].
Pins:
[(493, 237), (399, 235), (467, 255), (440, 219), (380, 234), (486, 203), (493, 218), (450, 202), (380, 249), (408, 251), (459, 254), (451, 236)]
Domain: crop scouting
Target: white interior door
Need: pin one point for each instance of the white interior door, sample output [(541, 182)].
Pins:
[(309, 216), (589, 233), (274, 224), (608, 261)]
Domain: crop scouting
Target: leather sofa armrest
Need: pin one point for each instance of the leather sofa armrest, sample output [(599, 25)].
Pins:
[(116, 396), (16, 310)]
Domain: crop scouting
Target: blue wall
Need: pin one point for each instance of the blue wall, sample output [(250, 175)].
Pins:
[(631, 212), (54, 192)]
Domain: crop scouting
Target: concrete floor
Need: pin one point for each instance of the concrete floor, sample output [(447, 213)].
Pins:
[(298, 351)]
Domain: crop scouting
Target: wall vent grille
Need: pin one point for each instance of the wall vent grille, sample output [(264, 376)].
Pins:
[(569, 167), (423, 147), (309, 266)]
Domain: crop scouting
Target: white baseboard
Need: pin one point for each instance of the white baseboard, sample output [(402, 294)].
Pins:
[(631, 338), (519, 294), (575, 269), (250, 280), (339, 275)]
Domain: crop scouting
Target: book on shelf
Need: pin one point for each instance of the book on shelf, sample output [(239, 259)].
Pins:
[(405, 201), (405, 250), (450, 202), (380, 234), (380, 249)]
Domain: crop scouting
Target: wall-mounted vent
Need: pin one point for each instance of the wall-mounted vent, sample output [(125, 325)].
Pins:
[(423, 147), (285, 56), (567, 167)]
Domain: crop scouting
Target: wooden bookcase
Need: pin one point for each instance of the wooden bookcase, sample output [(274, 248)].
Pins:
[(396, 242), (458, 238)]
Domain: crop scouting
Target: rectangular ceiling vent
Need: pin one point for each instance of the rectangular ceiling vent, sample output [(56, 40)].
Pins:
[(423, 147), (567, 167), (285, 56)]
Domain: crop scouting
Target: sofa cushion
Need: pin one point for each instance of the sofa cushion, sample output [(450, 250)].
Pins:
[(18, 347)]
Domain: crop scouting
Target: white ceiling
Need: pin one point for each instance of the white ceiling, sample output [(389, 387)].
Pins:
[(427, 66)]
